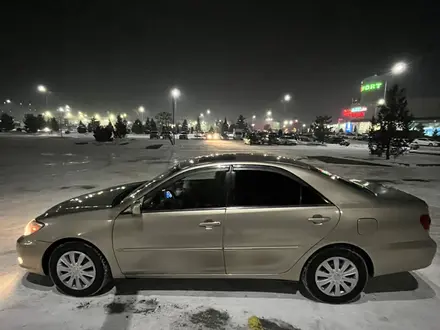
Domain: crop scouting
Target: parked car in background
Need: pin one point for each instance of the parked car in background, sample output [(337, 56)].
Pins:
[(427, 142), (231, 136), (288, 139), (183, 136), (233, 216), (304, 138), (200, 136), (154, 135), (337, 140), (270, 138), (252, 138)]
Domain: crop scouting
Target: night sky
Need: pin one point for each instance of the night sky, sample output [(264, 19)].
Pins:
[(233, 57)]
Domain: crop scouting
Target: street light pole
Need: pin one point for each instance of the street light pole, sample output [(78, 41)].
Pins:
[(175, 94), (286, 99), (43, 89), (141, 110)]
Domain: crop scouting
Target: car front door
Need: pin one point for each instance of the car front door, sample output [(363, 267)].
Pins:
[(180, 229), (272, 219)]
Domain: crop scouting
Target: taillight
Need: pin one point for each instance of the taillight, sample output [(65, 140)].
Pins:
[(425, 221)]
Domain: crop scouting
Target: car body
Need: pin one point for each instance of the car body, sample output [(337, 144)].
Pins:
[(252, 138), (209, 217), (183, 136), (426, 142)]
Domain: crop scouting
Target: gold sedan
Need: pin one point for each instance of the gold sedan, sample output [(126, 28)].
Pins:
[(233, 215)]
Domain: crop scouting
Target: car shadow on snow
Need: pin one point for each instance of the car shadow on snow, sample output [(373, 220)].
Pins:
[(400, 286)]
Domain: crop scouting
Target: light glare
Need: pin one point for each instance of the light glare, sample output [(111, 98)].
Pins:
[(175, 93), (399, 68)]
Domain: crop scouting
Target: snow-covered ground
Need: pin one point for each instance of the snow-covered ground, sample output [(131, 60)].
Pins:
[(35, 173)]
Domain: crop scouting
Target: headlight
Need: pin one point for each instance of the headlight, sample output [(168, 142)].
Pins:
[(32, 227), (209, 136)]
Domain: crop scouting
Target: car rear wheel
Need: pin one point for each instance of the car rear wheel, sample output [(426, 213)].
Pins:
[(78, 269), (430, 145), (335, 275)]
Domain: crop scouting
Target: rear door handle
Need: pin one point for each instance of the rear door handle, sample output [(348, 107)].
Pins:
[(318, 219), (208, 224)]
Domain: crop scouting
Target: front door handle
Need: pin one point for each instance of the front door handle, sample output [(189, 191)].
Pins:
[(208, 224), (318, 219)]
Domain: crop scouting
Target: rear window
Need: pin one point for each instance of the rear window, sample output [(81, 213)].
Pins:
[(353, 183)]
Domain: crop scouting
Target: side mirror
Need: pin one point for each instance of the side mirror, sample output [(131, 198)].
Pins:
[(136, 208)]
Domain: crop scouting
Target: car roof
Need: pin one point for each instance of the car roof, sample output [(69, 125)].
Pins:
[(243, 158)]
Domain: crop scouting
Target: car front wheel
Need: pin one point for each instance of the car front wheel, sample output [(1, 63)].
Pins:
[(335, 275), (78, 269)]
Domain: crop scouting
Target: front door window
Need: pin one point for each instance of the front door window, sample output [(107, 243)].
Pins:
[(196, 191)]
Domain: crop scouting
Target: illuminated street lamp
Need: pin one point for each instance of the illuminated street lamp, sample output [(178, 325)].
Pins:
[(97, 116), (43, 89), (269, 113), (291, 122), (253, 117), (304, 125), (175, 93), (61, 110), (285, 122), (381, 102), (202, 115), (398, 68), (8, 101), (208, 111), (286, 100), (141, 109)]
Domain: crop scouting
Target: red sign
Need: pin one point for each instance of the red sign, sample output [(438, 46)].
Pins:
[(350, 114)]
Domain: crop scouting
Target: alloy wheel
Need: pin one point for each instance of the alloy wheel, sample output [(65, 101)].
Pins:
[(336, 276), (76, 270)]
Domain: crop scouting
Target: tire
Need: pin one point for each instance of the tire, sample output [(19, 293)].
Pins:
[(102, 274), (430, 145), (310, 276)]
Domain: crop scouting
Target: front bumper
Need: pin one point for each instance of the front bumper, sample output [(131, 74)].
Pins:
[(30, 254)]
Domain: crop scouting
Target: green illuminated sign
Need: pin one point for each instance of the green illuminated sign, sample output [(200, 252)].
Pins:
[(371, 87)]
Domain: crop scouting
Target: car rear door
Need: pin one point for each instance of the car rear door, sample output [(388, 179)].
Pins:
[(272, 219), (176, 235)]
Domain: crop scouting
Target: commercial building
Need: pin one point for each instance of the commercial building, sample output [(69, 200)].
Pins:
[(356, 118)]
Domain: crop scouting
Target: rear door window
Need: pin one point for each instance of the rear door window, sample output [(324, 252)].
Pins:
[(266, 188)]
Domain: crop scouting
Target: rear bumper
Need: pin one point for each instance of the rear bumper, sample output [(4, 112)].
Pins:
[(402, 257), (30, 254)]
